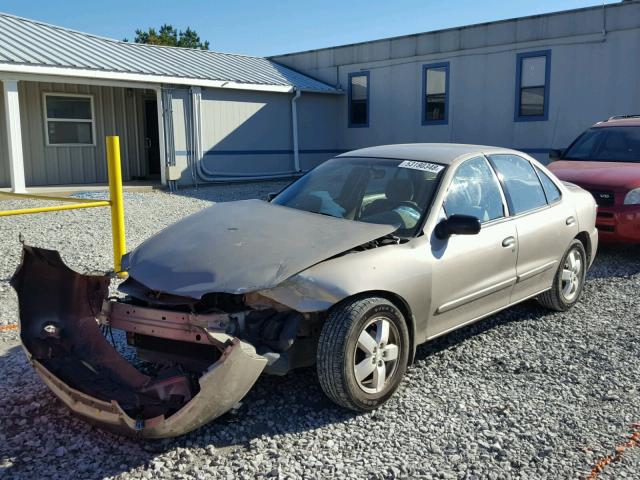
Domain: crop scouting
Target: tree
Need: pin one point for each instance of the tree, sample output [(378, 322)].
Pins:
[(167, 35)]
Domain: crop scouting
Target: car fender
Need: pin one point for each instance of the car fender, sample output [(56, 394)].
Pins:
[(401, 270)]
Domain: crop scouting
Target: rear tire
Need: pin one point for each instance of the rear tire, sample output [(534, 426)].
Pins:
[(568, 281), (363, 352)]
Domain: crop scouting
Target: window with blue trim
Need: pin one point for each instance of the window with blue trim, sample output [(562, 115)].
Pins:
[(532, 85), (435, 93), (359, 99)]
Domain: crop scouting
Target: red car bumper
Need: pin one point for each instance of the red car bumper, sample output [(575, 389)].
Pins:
[(619, 224)]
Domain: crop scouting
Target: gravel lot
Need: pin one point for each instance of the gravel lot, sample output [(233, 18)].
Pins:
[(523, 394)]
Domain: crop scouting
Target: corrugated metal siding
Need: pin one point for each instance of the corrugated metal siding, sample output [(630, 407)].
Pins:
[(246, 132), (318, 129), (4, 148), (116, 112), (24, 41)]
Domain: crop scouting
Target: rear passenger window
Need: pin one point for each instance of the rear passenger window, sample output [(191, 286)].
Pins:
[(550, 189), (521, 184)]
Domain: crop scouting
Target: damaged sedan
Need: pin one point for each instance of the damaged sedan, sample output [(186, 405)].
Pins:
[(349, 268)]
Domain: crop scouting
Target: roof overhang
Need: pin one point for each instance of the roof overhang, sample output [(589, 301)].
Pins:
[(30, 72)]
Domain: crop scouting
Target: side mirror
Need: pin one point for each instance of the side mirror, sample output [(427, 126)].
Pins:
[(457, 225), (271, 196), (555, 154)]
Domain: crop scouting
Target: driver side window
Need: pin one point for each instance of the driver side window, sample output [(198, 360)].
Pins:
[(475, 191)]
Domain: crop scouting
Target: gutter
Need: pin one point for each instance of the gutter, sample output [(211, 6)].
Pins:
[(9, 68)]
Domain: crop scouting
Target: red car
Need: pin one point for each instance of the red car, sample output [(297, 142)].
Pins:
[(605, 160)]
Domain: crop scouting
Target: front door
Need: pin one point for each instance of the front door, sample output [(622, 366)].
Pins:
[(473, 274), (151, 137)]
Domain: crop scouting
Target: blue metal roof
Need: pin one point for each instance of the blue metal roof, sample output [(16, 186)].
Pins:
[(29, 42)]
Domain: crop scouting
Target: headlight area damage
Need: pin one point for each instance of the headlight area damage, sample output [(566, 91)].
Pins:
[(199, 356)]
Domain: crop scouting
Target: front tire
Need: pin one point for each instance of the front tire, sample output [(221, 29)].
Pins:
[(568, 281), (363, 352)]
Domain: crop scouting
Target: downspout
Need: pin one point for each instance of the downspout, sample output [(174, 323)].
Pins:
[(294, 129), (169, 145), (195, 150), (207, 175)]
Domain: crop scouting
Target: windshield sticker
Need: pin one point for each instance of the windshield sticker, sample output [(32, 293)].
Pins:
[(424, 166)]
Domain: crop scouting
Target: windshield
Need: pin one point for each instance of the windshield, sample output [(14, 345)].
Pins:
[(392, 192), (608, 144)]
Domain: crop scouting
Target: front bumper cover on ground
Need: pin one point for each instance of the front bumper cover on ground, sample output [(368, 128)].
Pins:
[(64, 343)]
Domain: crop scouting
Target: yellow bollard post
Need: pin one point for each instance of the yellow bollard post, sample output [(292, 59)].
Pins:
[(117, 203)]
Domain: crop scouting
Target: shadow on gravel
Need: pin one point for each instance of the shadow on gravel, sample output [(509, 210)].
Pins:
[(274, 406), (527, 311), (40, 438), (616, 261)]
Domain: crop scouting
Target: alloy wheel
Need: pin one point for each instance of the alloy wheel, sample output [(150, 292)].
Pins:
[(571, 275), (376, 357)]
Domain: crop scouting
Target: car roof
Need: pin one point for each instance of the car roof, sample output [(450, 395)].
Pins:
[(619, 122), (444, 153)]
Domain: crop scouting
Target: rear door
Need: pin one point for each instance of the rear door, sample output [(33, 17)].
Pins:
[(544, 223), (473, 275)]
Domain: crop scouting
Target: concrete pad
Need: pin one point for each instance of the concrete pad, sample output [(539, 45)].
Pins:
[(68, 190)]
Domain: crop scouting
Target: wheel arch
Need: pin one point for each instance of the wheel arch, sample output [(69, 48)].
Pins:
[(401, 304), (586, 243)]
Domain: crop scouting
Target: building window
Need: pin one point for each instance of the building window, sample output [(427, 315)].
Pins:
[(359, 99), (69, 119), (532, 85), (435, 94)]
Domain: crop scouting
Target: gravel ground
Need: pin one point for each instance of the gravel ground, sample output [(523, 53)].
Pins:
[(523, 394)]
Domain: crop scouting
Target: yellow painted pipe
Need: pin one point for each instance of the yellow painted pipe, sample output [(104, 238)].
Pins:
[(35, 196), (54, 208), (117, 203)]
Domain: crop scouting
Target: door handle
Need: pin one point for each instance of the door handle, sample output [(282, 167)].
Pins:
[(570, 221), (509, 242)]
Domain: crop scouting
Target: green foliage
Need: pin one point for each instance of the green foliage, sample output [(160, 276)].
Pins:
[(167, 35)]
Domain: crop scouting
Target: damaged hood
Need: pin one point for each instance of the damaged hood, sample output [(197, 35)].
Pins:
[(243, 246)]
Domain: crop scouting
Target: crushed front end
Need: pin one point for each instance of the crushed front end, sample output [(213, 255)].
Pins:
[(196, 359)]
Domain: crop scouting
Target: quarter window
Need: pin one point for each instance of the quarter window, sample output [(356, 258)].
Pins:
[(532, 93), (359, 99), (550, 189), (522, 187), (69, 119), (435, 92), (475, 191)]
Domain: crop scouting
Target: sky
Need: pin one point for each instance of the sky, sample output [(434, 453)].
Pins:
[(271, 27)]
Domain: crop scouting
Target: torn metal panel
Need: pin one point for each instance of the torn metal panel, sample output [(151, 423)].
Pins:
[(63, 341), (242, 247)]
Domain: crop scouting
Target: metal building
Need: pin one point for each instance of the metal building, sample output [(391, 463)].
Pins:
[(187, 116), (531, 83), (182, 115)]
